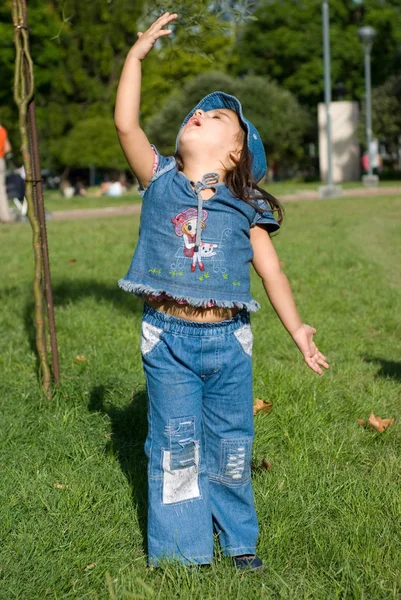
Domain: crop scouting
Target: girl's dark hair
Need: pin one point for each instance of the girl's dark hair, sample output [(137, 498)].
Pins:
[(240, 183)]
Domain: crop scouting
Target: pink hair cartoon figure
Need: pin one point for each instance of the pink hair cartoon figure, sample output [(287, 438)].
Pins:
[(185, 225)]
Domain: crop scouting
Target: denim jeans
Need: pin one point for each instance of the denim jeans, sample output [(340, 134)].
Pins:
[(200, 433)]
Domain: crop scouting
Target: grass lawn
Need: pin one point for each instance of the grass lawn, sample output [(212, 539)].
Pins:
[(73, 481), (54, 201)]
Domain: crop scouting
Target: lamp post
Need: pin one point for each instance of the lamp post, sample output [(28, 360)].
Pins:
[(329, 190), (367, 35)]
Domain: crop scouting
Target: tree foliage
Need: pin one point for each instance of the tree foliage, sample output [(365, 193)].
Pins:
[(275, 112), (386, 113), (285, 43), (94, 142), (79, 48)]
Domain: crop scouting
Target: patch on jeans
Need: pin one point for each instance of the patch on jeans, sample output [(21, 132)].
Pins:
[(181, 434), (181, 462), (150, 335), (180, 484), (236, 460), (245, 338)]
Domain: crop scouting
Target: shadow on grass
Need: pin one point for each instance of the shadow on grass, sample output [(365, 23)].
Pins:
[(67, 292), (73, 290), (29, 325), (129, 428), (388, 368)]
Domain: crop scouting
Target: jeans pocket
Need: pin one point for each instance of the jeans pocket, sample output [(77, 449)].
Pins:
[(244, 337), (150, 338)]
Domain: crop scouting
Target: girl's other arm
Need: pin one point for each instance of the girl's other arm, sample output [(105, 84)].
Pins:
[(267, 266), (133, 140)]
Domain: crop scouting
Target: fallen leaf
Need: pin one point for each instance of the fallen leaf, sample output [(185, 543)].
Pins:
[(88, 567), (61, 486), (376, 422), (81, 358), (259, 404), (72, 261), (265, 465)]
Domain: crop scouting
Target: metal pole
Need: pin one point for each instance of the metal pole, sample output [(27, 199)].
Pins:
[(368, 99), (327, 87)]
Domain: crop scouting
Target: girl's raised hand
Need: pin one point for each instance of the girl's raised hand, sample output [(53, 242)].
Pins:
[(303, 337), (146, 40)]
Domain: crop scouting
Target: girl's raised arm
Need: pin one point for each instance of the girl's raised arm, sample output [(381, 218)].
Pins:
[(133, 140)]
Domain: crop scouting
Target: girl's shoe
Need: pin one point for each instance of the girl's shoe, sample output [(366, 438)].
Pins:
[(248, 562)]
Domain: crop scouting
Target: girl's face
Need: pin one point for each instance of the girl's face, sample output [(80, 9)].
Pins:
[(216, 132)]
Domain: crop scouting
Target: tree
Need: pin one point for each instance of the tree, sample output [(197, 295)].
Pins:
[(93, 142), (79, 49), (44, 24), (386, 113), (274, 112), (285, 43), (203, 40), (172, 65)]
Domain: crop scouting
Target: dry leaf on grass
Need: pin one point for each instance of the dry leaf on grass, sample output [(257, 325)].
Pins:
[(259, 404), (265, 465), (61, 486), (376, 422), (81, 358), (88, 567)]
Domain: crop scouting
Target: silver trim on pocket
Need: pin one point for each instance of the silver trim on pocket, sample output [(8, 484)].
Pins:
[(150, 335), (245, 337)]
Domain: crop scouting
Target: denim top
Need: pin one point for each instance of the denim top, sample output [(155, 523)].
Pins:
[(188, 259)]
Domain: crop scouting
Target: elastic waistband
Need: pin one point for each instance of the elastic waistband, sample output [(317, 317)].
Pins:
[(182, 326)]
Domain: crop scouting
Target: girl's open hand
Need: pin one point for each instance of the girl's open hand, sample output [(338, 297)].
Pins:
[(303, 337), (146, 40)]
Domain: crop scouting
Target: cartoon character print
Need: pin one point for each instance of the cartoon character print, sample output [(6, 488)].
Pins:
[(185, 225)]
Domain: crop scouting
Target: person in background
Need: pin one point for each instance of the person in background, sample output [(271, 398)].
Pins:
[(5, 148), (79, 188), (115, 187)]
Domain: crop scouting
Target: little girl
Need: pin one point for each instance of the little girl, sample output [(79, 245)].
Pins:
[(203, 221)]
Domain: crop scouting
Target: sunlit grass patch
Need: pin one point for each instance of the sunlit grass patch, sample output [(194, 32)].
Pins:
[(73, 484)]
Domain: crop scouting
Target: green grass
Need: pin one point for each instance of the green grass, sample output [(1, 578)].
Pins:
[(54, 201), (292, 187), (330, 507)]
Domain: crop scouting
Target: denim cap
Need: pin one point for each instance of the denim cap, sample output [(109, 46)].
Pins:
[(254, 141)]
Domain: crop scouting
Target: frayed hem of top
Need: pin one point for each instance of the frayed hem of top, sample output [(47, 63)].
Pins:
[(143, 291)]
